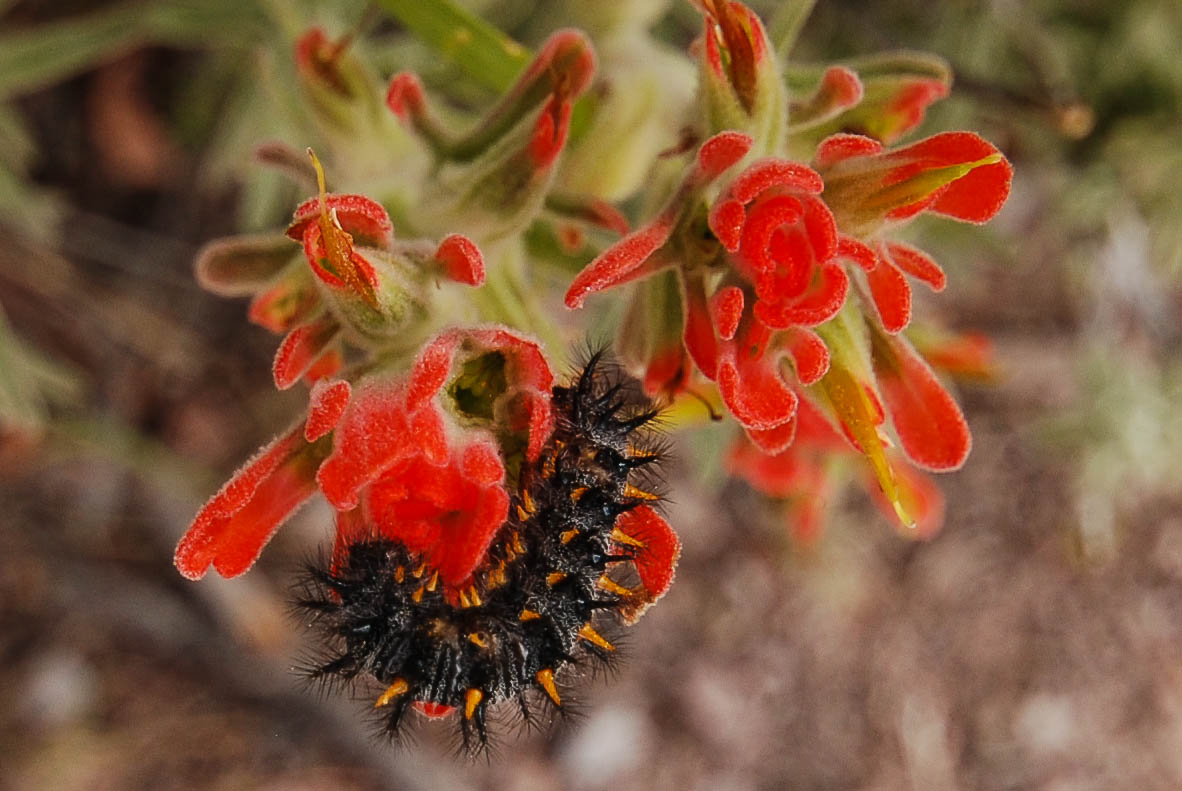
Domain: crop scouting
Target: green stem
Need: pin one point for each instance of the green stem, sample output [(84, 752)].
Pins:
[(785, 25)]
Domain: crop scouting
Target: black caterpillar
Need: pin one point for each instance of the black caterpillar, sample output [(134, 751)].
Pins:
[(556, 578)]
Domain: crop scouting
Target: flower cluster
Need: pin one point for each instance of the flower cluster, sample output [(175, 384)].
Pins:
[(490, 521), (789, 285)]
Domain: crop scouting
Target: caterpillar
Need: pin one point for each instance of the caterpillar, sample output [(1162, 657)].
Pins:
[(559, 581)]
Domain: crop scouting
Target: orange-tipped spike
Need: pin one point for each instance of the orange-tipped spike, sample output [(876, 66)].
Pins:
[(611, 586), (639, 494), (475, 639), (620, 537), (546, 679), (464, 602), (592, 636), (555, 577), (471, 701), (399, 687), (529, 615), (418, 594), (431, 583), (568, 536), (475, 597), (399, 574)]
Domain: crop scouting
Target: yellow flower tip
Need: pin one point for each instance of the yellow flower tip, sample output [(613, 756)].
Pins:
[(904, 518), (321, 187)]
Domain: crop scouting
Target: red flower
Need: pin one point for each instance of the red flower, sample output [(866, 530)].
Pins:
[(956, 174), (747, 299), (395, 447)]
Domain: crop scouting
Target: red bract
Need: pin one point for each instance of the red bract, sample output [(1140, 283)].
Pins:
[(397, 450), (956, 174)]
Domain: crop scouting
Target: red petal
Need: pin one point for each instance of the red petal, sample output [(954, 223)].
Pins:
[(862, 255), (326, 405), (464, 543), (234, 526), (481, 464), (432, 368), (550, 132), (726, 306), (698, 332), (975, 197), (836, 148), (622, 262), (755, 393), (300, 350), (842, 86), (892, 295), (774, 440), (930, 425), (821, 303), (767, 173), (461, 260), (917, 264), (429, 433), (363, 218), (721, 152), (405, 97), (657, 560), (809, 353), (373, 436), (282, 306)]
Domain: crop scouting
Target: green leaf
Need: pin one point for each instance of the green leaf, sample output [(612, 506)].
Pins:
[(481, 51)]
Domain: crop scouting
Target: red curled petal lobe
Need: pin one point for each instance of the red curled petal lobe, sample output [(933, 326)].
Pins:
[(300, 350), (461, 260), (326, 406), (726, 308), (861, 254), (917, 264), (432, 368), (720, 152), (891, 294), (755, 393), (234, 526), (820, 303), (767, 173), (809, 354), (931, 428), (774, 440), (837, 148), (405, 97), (363, 218)]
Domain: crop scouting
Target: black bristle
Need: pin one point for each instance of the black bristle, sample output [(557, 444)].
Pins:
[(434, 649)]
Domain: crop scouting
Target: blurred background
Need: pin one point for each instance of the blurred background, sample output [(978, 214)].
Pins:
[(1033, 644)]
